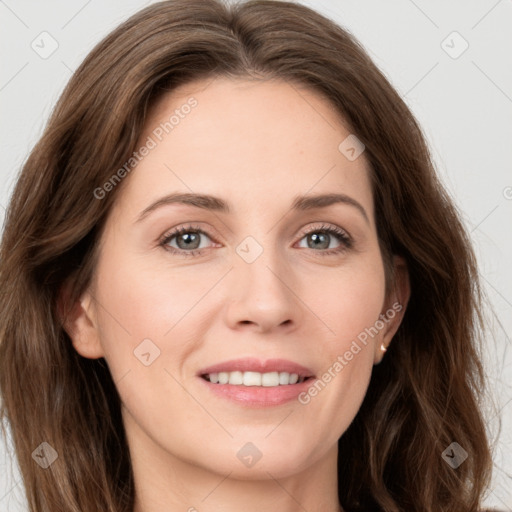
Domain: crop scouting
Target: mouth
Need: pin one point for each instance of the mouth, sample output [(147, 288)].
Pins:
[(256, 383), (255, 372)]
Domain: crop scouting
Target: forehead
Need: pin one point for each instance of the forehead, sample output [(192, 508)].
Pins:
[(256, 142)]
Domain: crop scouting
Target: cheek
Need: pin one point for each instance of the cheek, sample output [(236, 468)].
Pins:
[(139, 300), (351, 299), (350, 307), (147, 331)]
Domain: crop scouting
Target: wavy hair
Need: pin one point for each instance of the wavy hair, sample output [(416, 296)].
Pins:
[(428, 390)]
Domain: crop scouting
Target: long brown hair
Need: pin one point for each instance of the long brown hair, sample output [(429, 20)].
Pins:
[(425, 394)]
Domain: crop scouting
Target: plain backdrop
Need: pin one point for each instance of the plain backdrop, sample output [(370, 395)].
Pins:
[(451, 63)]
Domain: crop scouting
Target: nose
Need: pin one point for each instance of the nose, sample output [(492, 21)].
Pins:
[(262, 293)]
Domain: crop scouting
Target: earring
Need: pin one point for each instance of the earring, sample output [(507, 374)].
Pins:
[(382, 347)]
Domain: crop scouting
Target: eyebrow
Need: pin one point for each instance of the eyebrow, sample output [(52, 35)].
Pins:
[(216, 204)]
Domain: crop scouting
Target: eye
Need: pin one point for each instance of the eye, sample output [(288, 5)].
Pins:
[(188, 239), (321, 238)]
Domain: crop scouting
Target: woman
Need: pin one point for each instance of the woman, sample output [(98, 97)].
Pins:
[(175, 335)]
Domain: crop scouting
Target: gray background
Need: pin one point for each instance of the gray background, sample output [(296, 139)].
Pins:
[(463, 100)]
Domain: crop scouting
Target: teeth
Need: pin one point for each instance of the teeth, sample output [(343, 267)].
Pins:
[(236, 378), (270, 379), (252, 379)]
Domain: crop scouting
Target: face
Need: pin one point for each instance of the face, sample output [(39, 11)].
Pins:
[(260, 287)]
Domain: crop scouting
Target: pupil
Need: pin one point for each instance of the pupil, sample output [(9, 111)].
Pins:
[(317, 237), (189, 239)]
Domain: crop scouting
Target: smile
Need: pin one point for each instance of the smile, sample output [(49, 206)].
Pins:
[(252, 382)]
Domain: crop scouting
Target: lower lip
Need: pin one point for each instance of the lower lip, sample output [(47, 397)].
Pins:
[(259, 396)]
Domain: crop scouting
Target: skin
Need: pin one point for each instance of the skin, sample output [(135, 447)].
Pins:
[(257, 145)]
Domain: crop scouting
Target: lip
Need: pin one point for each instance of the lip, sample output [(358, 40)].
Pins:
[(258, 396), (251, 364)]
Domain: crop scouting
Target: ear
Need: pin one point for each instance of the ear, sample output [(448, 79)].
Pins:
[(79, 321), (394, 307)]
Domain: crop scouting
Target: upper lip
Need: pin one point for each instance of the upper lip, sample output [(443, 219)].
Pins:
[(250, 364)]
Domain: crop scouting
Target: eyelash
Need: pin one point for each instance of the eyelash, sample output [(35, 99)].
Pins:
[(344, 238)]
